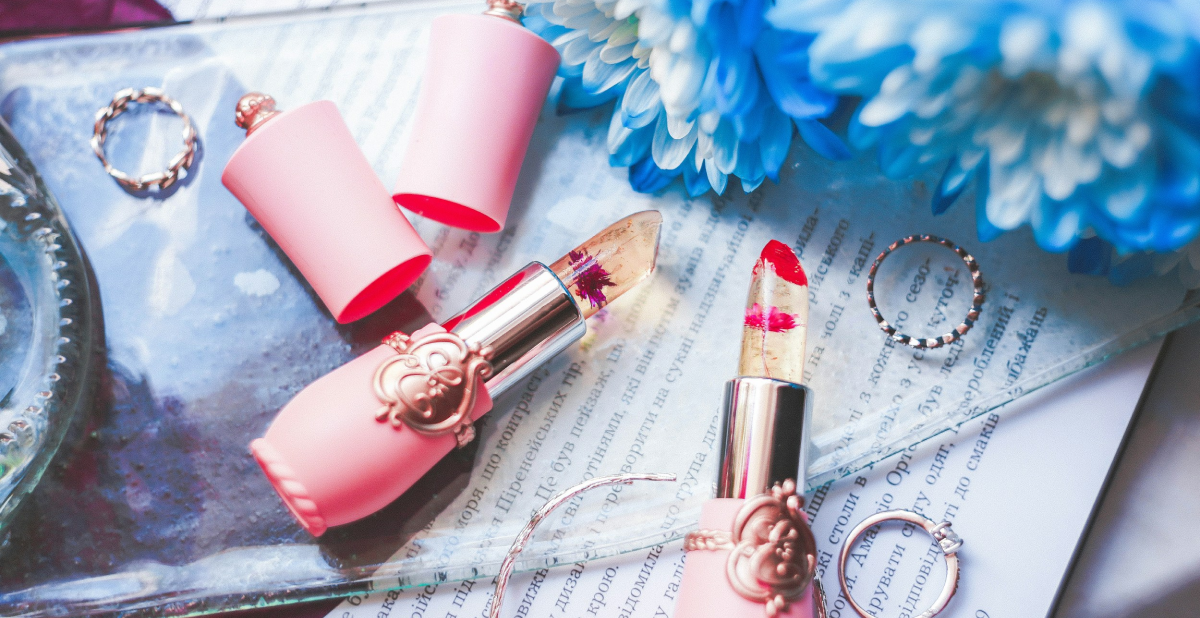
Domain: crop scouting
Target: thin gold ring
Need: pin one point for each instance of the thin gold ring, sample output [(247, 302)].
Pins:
[(947, 541), (977, 298)]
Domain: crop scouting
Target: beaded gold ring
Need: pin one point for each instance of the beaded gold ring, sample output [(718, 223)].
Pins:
[(977, 298)]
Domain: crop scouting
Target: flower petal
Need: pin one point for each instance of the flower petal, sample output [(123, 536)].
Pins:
[(696, 181), (1013, 195), (641, 103), (679, 127), (1056, 225), (750, 184), (789, 84), (613, 54), (599, 76), (725, 148), (1090, 256), (573, 96), (716, 178), (860, 135), (645, 177), (667, 151), (774, 141), (567, 10), (579, 50), (949, 187), (749, 167), (825, 142), (984, 228), (626, 145)]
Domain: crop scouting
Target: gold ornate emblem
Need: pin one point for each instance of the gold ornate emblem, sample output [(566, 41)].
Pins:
[(432, 384), (772, 552)]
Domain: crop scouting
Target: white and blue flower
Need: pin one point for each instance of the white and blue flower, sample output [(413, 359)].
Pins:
[(1077, 117), (704, 89)]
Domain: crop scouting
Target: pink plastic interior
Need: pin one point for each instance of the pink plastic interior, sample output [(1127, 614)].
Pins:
[(381, 291), (448, 212)]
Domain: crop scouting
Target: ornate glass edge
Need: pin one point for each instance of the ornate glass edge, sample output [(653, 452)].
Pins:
[(60, 370)]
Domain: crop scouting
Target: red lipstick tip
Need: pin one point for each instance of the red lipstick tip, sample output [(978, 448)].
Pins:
[(786, 264)]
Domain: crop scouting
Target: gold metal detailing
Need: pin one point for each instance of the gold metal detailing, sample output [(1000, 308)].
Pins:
[(253, 109), (772, 552), (707, 540), (505, 9), (432, 383), (819, 599)]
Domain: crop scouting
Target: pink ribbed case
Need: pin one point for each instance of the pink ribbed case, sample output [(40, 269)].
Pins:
[(332, 462), (485, 81), (305, 180)]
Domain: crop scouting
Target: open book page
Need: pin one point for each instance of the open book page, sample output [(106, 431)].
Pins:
[(1019, 491)]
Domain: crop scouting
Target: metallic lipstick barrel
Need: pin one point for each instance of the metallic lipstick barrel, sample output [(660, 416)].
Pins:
[(766, 435), (532, 320)]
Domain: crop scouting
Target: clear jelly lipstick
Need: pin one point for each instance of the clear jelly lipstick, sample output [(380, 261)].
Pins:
[(754, 553), (359, 437)]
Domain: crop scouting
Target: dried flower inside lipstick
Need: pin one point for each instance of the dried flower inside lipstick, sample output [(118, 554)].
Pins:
[(610, 263), (776, 322), (772, 320), (591, 278)]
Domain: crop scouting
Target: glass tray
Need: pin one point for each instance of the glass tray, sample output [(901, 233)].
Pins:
[(159, 509)]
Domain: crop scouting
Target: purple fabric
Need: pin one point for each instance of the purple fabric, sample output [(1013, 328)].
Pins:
[(58, 15), (316, 609)]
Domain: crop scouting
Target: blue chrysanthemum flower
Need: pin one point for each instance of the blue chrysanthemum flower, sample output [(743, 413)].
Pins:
[(1095, 256), (704, 89), (1077, 117)]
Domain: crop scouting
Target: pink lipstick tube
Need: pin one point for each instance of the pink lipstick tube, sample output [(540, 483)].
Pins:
[(754, 553), (359, 437)]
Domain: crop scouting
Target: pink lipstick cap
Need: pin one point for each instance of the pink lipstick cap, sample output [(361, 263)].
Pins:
[(303, 177), (486, 78)]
